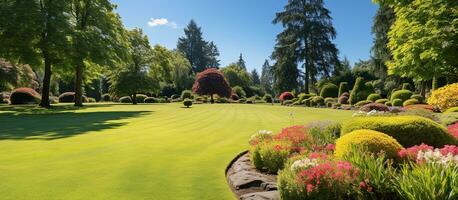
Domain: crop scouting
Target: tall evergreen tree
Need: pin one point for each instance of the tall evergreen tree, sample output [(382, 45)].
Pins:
[(267, 77), (241, 62), (200, 53), (285, 69), (255, 77), (309, 31), (380, 52), (36, 32), (98, 39)]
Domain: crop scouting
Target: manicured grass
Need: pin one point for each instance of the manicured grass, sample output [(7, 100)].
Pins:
[(109, 151)]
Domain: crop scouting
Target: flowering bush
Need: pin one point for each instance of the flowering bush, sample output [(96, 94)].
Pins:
[(374, 106), (453, 129), (427, 154), (298, 137), (445, 97), (286, 96), (260, 136), (420, 106), (270, 156)]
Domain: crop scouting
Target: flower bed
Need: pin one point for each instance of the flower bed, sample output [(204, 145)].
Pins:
[(307, 165)]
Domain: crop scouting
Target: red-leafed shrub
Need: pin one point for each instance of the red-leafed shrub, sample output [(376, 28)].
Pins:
[(420, 106), (69, 97), (210, 82), (24, 96), (374, 106), (343, 100), (453, 129), (286, 96), (297, 135), (234, 96)]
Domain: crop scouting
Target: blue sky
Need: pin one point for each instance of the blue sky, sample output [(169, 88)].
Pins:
[(244, 26)]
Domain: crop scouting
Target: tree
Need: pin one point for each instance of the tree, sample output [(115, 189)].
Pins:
[(381, 54), (255, 77), (135, 76), (267, 77), (423, 41), (285, 70), (98, 39), (181, 68), (236, 76), (308, 31), (210, 82), (241, 62), (200, 53), (35, 32), (14, 76)]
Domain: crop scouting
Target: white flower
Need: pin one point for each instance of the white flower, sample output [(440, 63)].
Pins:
[(436, 157), (261, 135), (303, 164), (372, 112)]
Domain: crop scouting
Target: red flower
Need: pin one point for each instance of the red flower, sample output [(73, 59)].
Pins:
[(453, 129), (412, 152), (449, 149), (297, 135)]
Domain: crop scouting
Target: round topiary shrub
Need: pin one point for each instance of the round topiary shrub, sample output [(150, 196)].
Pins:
[(141, 98), (343, 99), (69, 97), (382, 101), (388, 103), (370, 140), (151, 100), (186, 94), (343, 88), (346, 94), (360, 91), (445, 97), (286, 103), (308, 102), (374, 106), (270, 156), (362, 103), (374, 97), (286, 96), (318, 101), (329, 90), (106, 97), (418, 97), (330, 100), (239, 91), (268, 98), (407, 130), (24, 96), (401, 94), (234, 96), (410, 102), (125, 99), (187, 103), (396, 102)]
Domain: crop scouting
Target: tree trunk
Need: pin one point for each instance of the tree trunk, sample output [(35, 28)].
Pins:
[(79, 85), (46, 83), (434, 85), (423, 88), (211, 99), (134, 99), (306, 81)]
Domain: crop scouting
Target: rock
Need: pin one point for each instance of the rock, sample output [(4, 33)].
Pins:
[(249, 179), (270, 195)]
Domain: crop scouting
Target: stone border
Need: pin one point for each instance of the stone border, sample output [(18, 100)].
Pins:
[(247, 183)]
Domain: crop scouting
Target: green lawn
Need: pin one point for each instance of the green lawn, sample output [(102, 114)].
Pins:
[(109, 151)]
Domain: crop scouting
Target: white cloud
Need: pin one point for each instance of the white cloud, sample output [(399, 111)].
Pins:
[(153, 22)]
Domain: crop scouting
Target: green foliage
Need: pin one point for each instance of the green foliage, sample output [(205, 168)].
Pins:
[(343, 88), (236, 76), (323, 132), (407, 130), (382, 101), (106, 98), (16, 75), (388, 103), (267, 77), (418, 97), (373, 141), (187, 94), (317, 101), (363, 102), (396, 102), (451, 110), (427, 181), (374, 97), (410, 102), (288, 102), (329, 90), (268, 98), (140, 98), (187, 103), (360, 91), (125, 99), (401, 94), (268, 157), (239, 91)]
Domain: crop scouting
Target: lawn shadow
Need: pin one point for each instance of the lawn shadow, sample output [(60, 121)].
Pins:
[(35, 109), (26, 126)]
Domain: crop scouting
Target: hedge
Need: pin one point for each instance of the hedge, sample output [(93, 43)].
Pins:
[(374, 97), (24, 96), (329, 90), (407, 130), (401, 94), (343, 88)]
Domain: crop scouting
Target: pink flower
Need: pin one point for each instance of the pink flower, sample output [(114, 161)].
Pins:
[(310, 188), (411, 153), (453, 129), (449, 149), (362, 184)]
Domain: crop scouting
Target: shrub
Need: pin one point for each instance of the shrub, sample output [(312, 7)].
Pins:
[(410, 102), (360, 91), (401, 94), (374, 97), (453, 130), (268, 98), (222, 100), (210, 82), (239, 91), (308, 102), (445, 97), (234, 96), (4, 101), (420, 106), (125, 99), (363, 102), (323, 132), (317, 101), (373, 141), (406, 86), (374, 106), (187, 103), (54, 100), (286, 96), (69, 97), (24, 96), (343, 99), (329, 100), (388, 103), (329, 90), (151, 100), (91, 100), (140, 98), (187, 94), (288, 102), (396, 102), (106, 97), (418, 97), (343, 88), (382, 101), (302, 97), (242, 100), (346, 94), (407, 130), (451, 110), (270, 156)]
